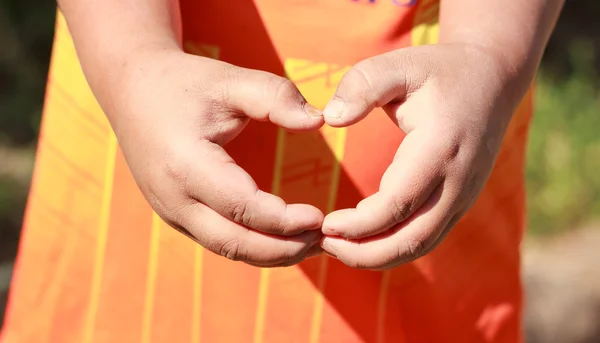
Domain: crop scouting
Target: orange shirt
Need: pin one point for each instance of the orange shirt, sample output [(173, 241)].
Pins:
[(96, 265)]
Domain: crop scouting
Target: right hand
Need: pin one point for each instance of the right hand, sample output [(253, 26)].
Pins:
[(172, 113)]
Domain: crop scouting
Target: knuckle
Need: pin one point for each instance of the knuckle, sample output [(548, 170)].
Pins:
[(358, 87), (239, 213), (365, 68), (284, 89), (284, 86), (231, 249), (359, 74), (401, 209), (415, 248), (278, 228), (248, 213)]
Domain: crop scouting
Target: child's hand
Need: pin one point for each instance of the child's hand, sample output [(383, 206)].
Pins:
[(172, 114), (454, 102)]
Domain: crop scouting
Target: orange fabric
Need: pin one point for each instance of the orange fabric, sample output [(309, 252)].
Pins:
[(96, 265)]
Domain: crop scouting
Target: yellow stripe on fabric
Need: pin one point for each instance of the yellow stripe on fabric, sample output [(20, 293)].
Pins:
[(263, 286), (338, 151), (426, 23), (262, 305), (151, 279), (98, 268), (197, 293)]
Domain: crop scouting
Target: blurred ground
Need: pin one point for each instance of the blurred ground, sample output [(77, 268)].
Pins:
[(562, 250), (562, 281)]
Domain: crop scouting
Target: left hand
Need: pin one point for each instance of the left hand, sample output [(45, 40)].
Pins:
[(454, 102)]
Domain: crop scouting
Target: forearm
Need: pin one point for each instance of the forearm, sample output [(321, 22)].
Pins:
[(517, 30), (109, 34)]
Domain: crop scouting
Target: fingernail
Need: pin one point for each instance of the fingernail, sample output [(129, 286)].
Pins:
[(329, 232), (334, 109), (312, 111)]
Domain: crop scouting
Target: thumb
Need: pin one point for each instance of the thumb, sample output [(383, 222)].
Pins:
[(371, 83), (265, 96)]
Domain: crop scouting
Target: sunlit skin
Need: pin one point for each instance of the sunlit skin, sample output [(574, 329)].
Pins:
[(172, 112), (454, 101)]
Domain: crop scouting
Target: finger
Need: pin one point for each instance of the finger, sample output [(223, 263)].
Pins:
[(370, 83), (314, 251), (239, 243), (408, 182), (267, 97), (406, 242), (226, 188)]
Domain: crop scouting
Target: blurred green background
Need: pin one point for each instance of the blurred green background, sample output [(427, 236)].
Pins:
[(563, 170)]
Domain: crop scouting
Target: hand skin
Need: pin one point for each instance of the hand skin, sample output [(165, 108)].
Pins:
[(454, 101), (172, 113)]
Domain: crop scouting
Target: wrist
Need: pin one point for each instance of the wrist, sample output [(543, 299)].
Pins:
[(116, 63), (116, 77), (511, 75), (516, 59)]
